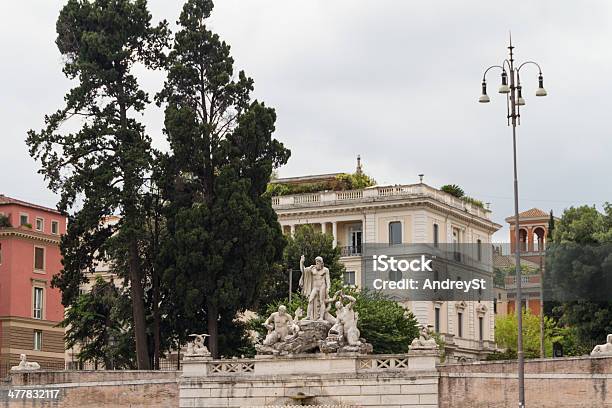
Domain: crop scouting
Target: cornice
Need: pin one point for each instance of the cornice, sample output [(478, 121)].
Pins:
[(27, 234), (293, 211)]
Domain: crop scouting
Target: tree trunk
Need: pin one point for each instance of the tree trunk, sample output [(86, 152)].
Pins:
[(156, 322), (138, 308), (212, 314), (155, 279)]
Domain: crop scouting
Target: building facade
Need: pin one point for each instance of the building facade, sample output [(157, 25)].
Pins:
[(404, 214), (29, 308), (533, 233)]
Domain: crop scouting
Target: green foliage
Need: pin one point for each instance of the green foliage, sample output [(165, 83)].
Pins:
[(499, 277), (473, 201), (508, 354), (453, 190), (506, 334), (355, 181), (5, 221), (382, 321), (310, 243), (101, 168), (342, 182), (223, 235), (98, 323), (578, 268)]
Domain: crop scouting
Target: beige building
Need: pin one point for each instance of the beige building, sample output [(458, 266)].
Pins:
[(404, 214)]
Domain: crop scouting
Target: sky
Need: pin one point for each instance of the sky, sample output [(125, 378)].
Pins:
[(395, 81)]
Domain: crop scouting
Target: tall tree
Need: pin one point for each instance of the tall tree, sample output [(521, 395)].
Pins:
[(579, 271), (224, 235), (101, 168)]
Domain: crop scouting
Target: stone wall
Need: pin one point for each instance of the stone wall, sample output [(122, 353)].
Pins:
[(342, 382), (89, 389), (553, 383), (391, 381)]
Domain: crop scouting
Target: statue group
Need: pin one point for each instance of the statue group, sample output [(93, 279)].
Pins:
[(320, 330)]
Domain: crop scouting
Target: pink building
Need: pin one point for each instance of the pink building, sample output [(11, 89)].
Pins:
[(29, 308)]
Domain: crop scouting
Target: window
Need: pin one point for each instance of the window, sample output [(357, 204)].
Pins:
[(354, 239), (54, 227), (349, 277), (481, 328), (38, 340), (395, 275), (524, 305), (437, 319), (40, 223), (23, 219), (456, 248), (395, 233), (39, 258), (479, 249), (38, 303), (436, 239), (460, 324), (495, 305)]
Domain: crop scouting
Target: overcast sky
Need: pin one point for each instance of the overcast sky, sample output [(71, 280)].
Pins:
[(396, 81)]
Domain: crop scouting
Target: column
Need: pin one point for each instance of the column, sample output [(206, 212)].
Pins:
[(335, 232), (292, 230), (324, 227)]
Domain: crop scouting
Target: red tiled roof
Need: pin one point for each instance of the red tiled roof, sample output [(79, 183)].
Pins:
[(4, 200), (532, 213)]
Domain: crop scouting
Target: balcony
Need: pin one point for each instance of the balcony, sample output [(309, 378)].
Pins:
[(375, 194), (350, 250)]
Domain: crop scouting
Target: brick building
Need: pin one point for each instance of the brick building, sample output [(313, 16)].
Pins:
[(29, 308), (533, 232)]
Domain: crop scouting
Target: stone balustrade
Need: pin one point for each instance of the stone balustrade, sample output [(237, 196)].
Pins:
[(378, 193)]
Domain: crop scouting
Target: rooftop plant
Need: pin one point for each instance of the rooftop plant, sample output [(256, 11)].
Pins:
[(341, 182), (458, 192)]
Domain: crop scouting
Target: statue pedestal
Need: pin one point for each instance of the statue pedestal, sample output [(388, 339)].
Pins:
[(196, 366), (423, 358), (305, 364)]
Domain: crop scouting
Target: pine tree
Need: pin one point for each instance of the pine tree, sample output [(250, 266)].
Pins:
[(101, 168), (224, 235)]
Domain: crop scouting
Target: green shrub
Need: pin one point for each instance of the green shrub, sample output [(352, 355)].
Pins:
[(453, 190)]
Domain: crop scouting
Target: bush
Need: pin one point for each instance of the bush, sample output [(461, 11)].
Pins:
[(342, 182), (453, 190)]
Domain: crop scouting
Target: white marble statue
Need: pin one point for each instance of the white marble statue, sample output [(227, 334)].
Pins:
[(197, 347), (345, 325), (280, 326), (24, 364), (424, 341), (315, 283), (603, 349)]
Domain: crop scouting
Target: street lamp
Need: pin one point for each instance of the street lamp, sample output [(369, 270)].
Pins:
[(514, 100)]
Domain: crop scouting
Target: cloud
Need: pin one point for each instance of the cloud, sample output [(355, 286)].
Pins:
[(393, 80)]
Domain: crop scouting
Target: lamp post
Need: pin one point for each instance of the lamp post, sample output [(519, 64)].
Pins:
[(514, 101)]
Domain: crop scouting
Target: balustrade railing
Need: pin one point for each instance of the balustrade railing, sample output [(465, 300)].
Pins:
[(382, 192)]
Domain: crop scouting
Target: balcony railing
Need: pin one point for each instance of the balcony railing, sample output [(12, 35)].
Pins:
[(379, 193), (350, 250)]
